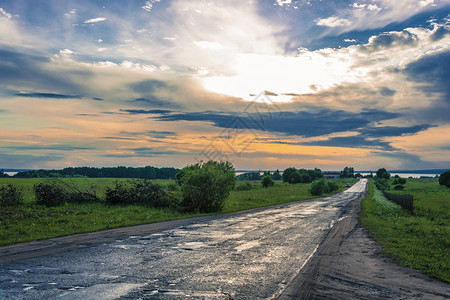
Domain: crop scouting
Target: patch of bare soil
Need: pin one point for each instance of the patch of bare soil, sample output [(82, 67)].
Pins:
[(349, 265)]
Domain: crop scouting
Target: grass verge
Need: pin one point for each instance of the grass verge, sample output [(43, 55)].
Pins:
[(419, 241), (29, 221)]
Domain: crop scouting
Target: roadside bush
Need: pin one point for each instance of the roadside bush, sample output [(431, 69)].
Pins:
[(205, 186), (402, 180), (317, 187), (267, 181), (10, 196), (141, 192), (444, 179), (57, 192), (244, 186), (332, 186), (321, 186), (399, 187)]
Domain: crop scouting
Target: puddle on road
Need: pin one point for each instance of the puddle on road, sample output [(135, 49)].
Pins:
[(247, 245)]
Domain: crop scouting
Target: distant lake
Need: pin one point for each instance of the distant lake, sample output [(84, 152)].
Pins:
[(407, 175)]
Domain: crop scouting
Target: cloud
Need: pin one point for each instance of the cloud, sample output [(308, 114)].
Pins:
[(142, 111), (25, 72), (94, 20), (149, 5), (47, 95), (153, 101), (4, 14), (385, 91), (19, 161), (306, 124), (370, 15), (431, 74), (333, 22), (353, 142)]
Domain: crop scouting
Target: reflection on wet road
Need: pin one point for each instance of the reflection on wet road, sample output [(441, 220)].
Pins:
[(251, 255)]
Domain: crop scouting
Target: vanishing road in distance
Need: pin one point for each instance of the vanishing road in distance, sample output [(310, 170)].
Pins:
[(245, 255)]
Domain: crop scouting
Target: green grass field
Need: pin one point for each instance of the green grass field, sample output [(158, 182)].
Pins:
[(32, 222), (420, 241)]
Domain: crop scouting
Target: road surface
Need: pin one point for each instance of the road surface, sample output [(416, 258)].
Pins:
[(248, 255)]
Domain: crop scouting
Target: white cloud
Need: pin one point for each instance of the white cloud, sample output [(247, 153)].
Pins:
[(424, 3), (94, 20), (350, 40), (66, 52), (284, 2), (371, 7), (208, 45), (333, 22), (5, 14), (149, 5), (365, 14)]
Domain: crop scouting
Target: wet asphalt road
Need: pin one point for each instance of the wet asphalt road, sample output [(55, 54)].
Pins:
[(251, 255)]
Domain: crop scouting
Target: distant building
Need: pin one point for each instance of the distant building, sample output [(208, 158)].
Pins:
[(331, 175)]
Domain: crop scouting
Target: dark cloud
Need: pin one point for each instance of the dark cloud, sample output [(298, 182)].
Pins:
[(142, 111), (353, 142), (388, 131), (409, 161), (269, 93), (47, 147), (153, 101), (142, 152), (97, 99), (439, 33), (18, 70), (307, 124), (434, 71), (432, 75), (388, 40), (47, 95), (384, 91), (149, 86), (3, 111), (19, 161)]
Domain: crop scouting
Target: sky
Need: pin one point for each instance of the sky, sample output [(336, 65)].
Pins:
[(263, 84)]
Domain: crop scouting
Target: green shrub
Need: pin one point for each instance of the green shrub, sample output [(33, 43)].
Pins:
[(332, 186), (205, 186), (57, 192), (244, 186), (10, 196), (267, 181), (139, 191), (399, 187), (444, 179), (317, 187), (401, 181)]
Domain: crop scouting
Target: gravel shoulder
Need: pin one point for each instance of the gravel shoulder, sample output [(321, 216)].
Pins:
[(349, 265)]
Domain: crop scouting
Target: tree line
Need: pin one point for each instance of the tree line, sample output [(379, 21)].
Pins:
[(147, 172)]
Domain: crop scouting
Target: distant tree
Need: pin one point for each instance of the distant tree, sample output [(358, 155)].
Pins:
[(444, 179), (3, 174), (305, 178), (382, 173), (276, 175), (291, 175), (347, 172), (267, 181)]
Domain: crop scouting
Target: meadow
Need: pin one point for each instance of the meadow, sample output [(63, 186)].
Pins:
[(420, 240), (30, 221)]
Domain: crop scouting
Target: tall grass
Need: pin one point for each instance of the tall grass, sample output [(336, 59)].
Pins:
[(418, 241)]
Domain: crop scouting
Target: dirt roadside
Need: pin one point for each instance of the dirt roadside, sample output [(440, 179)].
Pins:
[(349, 265)]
